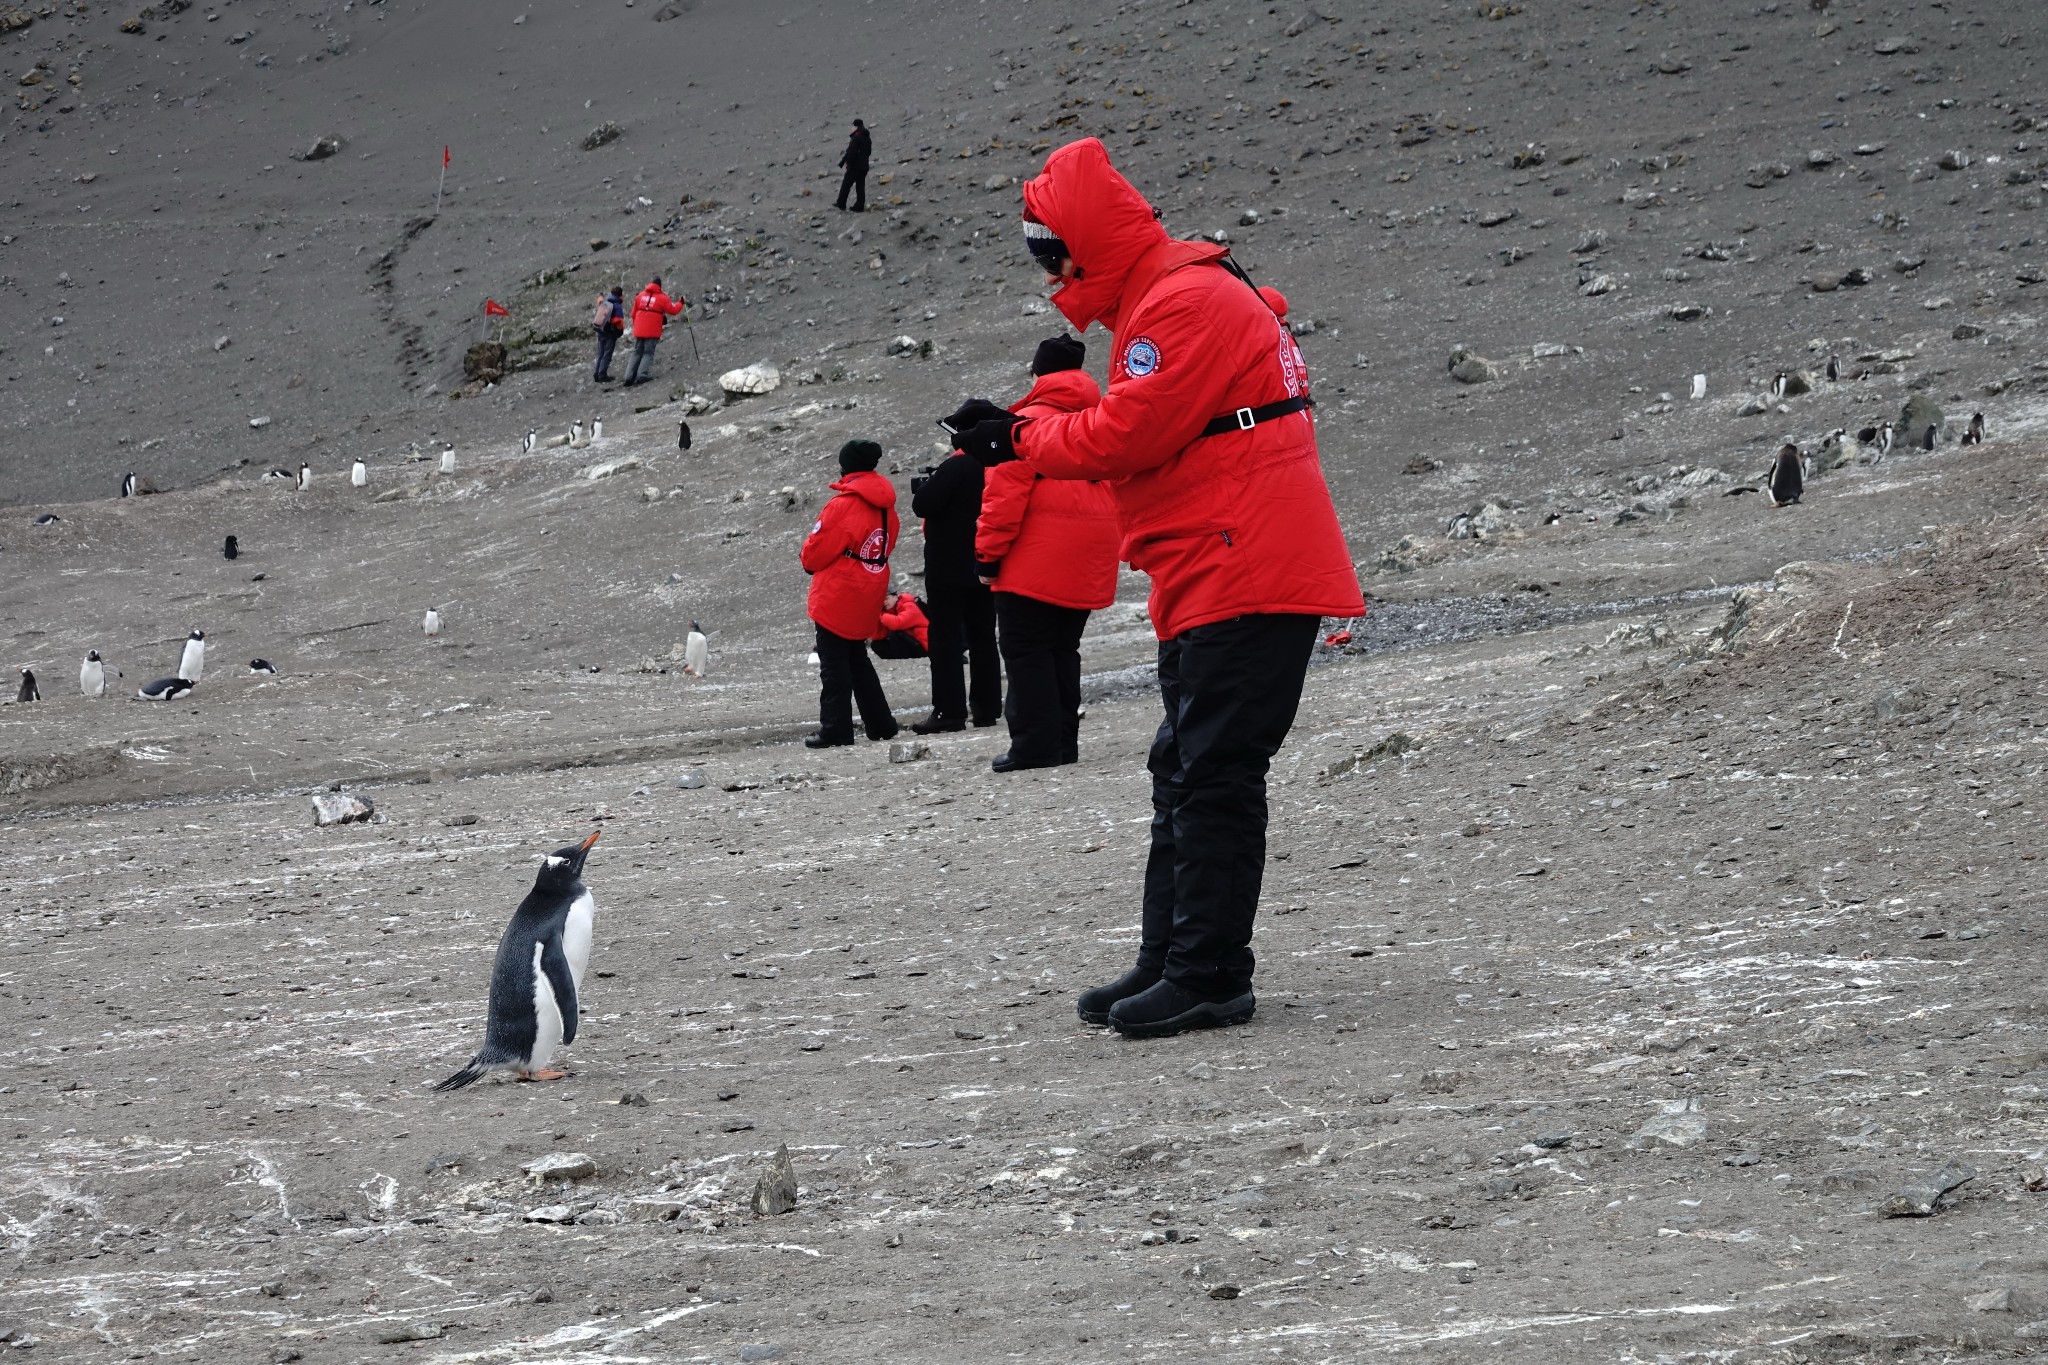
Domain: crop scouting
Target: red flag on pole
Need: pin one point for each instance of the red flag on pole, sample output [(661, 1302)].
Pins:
[(446, 156), (494, 309)]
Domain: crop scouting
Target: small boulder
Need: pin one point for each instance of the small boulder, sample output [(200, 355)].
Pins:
[(775, 1191), (484, 363), (341, 808), (601, 134), (561, 1166), (757, 378), (322, 148), (1920, 415), (1680, 1125), (909, 751), (1469, 367)]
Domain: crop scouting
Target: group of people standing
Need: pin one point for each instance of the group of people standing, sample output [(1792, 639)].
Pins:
[(1199, 467), (648, 318), (1013, 565)]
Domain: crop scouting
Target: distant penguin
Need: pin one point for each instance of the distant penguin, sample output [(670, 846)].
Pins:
[(305, 476), (1779, 383), (359, 475), (596, 428), (29, 691), (696, 651), (1788, 476), (447, 459), (538, 974), (575, 433), (683, 436), (1884, 440), (1699, 386), (1834, 368), (532, 441), (1973, 435), (192, 663), (431, 625), (129, 485), (1459, 528), (278, 476), (1927, 441), (230, 549), (92, 675), (165, 689), (48, 519), (262, 666)]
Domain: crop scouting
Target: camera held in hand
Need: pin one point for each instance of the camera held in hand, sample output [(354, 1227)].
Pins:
[(921, 478)]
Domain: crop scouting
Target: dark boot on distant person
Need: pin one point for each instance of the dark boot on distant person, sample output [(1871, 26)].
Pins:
[(1094, 1005)]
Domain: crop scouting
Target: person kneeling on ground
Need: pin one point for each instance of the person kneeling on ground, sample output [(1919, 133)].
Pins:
[(906, 631), (1047, 547), (1206, 439), (847, 557)]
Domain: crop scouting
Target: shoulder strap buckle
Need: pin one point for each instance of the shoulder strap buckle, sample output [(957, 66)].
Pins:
[(1246, 420)]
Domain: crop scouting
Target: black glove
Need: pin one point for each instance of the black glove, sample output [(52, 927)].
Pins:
[(972, 413), (990, 443)]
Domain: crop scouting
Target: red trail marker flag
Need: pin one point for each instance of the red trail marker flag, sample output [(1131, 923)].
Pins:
[(494, 309)]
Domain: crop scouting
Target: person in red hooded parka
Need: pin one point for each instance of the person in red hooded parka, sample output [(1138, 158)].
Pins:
[(1047, 548), (847, 557), (1205, 437)]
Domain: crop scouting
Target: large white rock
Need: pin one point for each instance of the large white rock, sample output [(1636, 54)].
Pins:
[(759, 377)]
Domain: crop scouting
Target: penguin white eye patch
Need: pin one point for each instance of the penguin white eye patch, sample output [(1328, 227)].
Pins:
[(552, 861)]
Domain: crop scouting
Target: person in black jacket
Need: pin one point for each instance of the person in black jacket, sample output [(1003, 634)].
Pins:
[(859, 148), (961, 610)]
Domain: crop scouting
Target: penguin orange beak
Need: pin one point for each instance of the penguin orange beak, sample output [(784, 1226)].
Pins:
[(585, 845)]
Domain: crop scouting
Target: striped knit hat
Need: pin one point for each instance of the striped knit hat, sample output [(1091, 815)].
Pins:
[(1046, 247)]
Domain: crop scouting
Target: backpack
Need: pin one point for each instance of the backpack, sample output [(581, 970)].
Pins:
[(607, 316)]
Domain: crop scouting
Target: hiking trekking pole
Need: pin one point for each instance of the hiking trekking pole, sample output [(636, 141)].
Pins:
[(693, 337)]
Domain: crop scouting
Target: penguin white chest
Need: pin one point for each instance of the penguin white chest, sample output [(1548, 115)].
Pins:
[(576, 935), (547, 1015)]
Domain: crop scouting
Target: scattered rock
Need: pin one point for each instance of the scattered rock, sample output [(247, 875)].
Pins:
[(1597, 285), (1994, 1301), (1922, 1198), (1469, 367), (775, 1191), (1818, 160), (633, 1099), (341, 808), (551, 1213), (1686, 312), (322, 148), (759, 377), (1917, 418), (690, 781), (911, 346), (1224, 1291), (388, 1334), (761, 1350), (909, 751), (1496, 217), (460, 821), (258, 423), (1594, 239), (604, 469), (601, 134), (1680, 1125), (561, 1166)]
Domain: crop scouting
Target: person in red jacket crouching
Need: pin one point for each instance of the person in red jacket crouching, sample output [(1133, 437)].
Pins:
[(1047, 548), (1205, 438), (847, 557)]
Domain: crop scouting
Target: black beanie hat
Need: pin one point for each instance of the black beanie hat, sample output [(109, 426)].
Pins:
[(1058, 353), (859, 456)]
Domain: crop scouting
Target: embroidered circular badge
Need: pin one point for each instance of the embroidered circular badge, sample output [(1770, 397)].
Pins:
[(1141, 357)]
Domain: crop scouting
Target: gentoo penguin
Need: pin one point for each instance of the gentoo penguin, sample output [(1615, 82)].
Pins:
[(447, 459), (1699, 386), (128, 486), (1884, 440), (48, 519), (192, 663), (305, 476), (1973, 435), (359, 474), (683, 436), (1460, 527), (538, 973), (532, 441), (92, 675), (230, 549), (1927, 441), (278, 476), (262, 666), (1779, 383), (696, 651), (165, 689), (29, 691), (575, 433), (596, 428), (431, 624), (1834, 368), (1788, 476)]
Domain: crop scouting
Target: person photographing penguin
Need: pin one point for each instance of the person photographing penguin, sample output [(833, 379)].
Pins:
[(1205, 439), (651, 311)]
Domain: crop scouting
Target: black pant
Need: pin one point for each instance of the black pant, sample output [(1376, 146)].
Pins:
[(1041, 646), (962, 616), (1231, 690), (606, 340), (846, 675), (643, 360), (856, 180)]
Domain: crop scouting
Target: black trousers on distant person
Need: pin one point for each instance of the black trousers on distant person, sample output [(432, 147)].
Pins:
[(855, 181), (1231, 690), (607, 340), (962, 617), (1041, 647), (846, 677), (642, 368)]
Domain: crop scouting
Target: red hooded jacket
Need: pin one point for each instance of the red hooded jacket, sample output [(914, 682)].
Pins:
[(905, 615), (1050, 539), (847, 556), (1227, 525), (651, 311)]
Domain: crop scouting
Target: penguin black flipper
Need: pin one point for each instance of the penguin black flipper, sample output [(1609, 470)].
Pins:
[(554, 971)]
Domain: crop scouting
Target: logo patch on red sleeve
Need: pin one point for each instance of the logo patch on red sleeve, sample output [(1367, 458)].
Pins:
[(1141, 357)]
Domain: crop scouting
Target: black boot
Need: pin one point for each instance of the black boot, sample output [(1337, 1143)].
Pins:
[(821, 740), (937, 724), (1166, 1009), (1094, 1006)]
